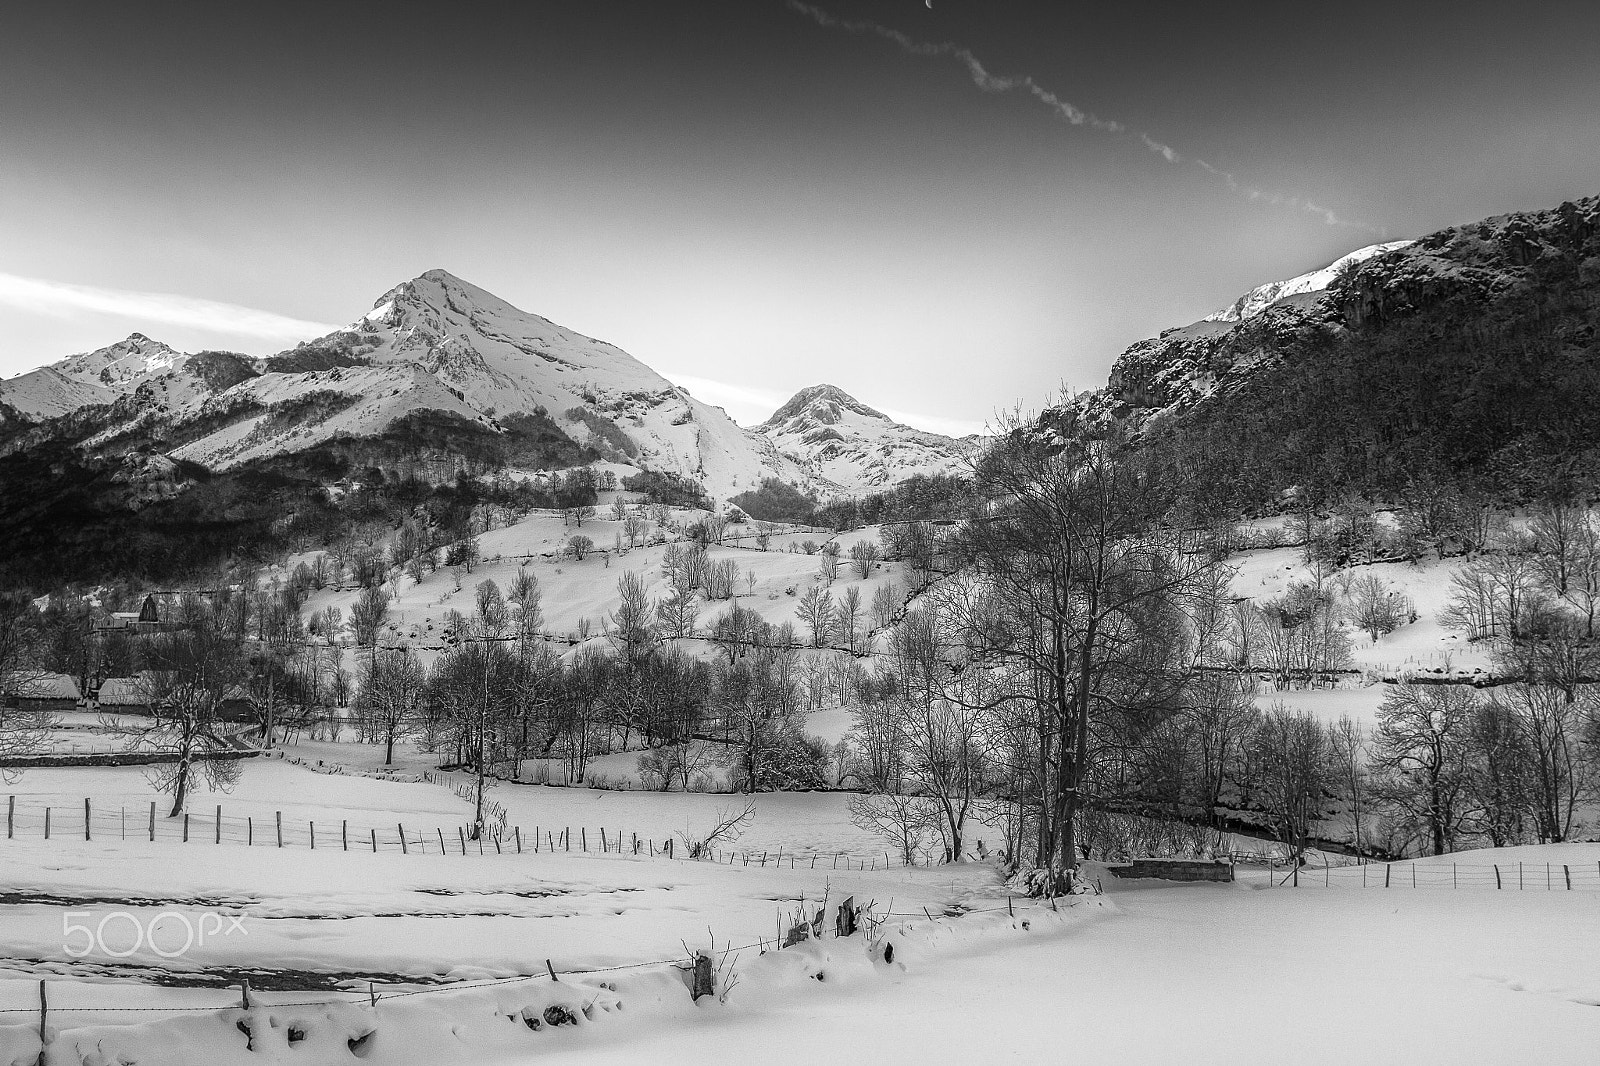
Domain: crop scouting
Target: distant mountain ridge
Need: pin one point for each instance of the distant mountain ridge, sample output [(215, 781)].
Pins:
[(434, 346)]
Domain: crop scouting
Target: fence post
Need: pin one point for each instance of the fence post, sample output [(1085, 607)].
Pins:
[(47, 823), (1387, 869), (440, 828), (44, 1011), (1547, 877), (603, 846), (313, 828), (1497, 884), (249, 830), (152, 821), (86, 817), (278, 816), (374, 841), (344, 833), (1566, 872), (1519, 877), (462, 834), (219, 823), (583, 837), (11, 816), (403, 849), (186, 827), (1413, 875)]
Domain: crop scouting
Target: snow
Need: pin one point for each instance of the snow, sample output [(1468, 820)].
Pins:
[(841, 440), (503, 359), (1260, 298)]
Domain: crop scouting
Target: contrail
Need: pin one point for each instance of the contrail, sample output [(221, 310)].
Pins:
[(1069, 112), (61, 298)]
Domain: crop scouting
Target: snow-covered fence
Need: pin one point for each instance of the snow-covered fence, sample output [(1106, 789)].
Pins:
[(496, 1018)]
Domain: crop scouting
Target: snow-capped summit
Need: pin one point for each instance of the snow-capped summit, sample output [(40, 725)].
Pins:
[(842, 440), (125, 365), (504, 360)]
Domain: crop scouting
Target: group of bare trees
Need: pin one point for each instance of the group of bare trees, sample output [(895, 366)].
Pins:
[(501, 695)]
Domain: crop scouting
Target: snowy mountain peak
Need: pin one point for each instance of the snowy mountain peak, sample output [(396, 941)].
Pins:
[(840, 439), (125, 365), (501, 360), (1263, 296), (822, 404)]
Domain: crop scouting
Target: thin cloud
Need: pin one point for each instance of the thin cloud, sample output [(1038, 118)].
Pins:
[(723, 394), (61, 300), (1071, 113)]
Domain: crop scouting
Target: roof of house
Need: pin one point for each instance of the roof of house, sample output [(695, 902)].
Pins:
[(126, 691), (43, 687)]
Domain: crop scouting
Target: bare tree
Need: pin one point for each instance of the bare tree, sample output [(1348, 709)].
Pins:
[(730, 826), (816, 611), (1421, 757), (864, 555)]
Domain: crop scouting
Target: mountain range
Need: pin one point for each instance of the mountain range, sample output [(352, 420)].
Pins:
[(447, 353)]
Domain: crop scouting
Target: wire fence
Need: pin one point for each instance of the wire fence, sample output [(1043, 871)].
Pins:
[(215, 826), (1504, 877)]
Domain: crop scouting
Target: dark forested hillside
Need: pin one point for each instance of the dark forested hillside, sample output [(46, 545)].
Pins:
[(1471, 358)]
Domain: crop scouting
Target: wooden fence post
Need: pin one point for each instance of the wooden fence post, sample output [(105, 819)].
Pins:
[(152, 821), (344, 833), (440, 828), (1566, 872), (1497, 883), (186, 827), (583, 837), (11, 816), (249, 830), (374, 841), (47, 823), (86, 817), (462, 834), (44, 1011), (1387, 870), (312, 826), (702, 977), (278, 817), (603, 846), (519, 840), (403, 849), (219, 823)]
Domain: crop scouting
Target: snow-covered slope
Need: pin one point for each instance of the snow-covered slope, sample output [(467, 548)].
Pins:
[(840, 439), (47, 393), (284, 413), (504, 360), (1261, 297)]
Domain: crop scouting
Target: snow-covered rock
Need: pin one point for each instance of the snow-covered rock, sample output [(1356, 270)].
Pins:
[(1261, 297), (839, 439)]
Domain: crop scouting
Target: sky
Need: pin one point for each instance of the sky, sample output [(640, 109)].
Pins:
[(946, 209)]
